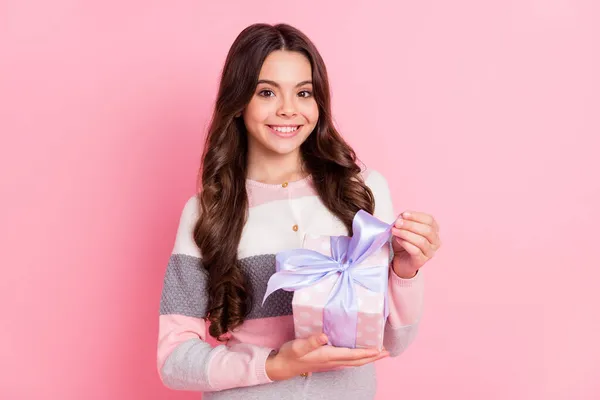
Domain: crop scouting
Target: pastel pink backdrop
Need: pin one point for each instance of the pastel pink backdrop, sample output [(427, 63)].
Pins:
[(483, 113)]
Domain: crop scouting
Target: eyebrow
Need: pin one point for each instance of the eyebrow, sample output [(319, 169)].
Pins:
[(270, 82)]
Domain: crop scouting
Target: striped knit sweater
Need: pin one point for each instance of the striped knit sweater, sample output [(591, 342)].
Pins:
[(279, 217)]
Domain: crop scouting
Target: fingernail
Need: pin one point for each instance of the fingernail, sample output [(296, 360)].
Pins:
[(406, 214), (399, 223), (322, 339)]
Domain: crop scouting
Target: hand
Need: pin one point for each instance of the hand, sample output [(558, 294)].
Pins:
[(416, 241), (313, 355)]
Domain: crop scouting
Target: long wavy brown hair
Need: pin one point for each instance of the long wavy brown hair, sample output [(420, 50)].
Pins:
[(330, 161)]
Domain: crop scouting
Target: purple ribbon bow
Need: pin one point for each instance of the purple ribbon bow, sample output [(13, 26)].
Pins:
[(299, 268)]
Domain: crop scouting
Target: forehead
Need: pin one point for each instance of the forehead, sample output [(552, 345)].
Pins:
[(286, 67)]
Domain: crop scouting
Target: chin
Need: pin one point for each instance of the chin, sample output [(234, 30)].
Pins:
[(283, 150), (285, 146)]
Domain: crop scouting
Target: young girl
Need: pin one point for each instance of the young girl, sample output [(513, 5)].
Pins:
[(273, 169)]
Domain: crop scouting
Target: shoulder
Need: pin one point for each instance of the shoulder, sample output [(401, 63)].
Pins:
[(191, 209), (375, 180), (184, 241)]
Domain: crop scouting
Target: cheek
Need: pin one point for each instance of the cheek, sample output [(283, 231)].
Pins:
[(311, 112), (257, 113)]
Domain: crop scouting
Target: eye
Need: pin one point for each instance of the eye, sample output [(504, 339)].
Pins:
[(307, 93), (266, 93)]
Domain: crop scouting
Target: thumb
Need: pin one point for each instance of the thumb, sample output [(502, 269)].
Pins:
[(305, 346)]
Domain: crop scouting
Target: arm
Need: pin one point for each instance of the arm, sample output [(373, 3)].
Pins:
[(405, 295), (185, 360)]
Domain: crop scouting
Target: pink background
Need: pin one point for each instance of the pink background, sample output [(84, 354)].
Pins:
[(483, 113)]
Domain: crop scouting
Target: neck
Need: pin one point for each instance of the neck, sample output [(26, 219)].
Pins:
[(274, 168)]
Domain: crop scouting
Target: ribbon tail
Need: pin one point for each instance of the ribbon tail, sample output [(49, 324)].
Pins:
[(290, 281), (340, 315), (297, 269)]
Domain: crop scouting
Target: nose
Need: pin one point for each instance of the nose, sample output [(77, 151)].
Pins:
[(287, 107)]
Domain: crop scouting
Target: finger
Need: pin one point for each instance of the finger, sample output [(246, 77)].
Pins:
[(420, 229), (413, 250), (346, 354), (363, 361), (304, 346), (418, 241), (421, 217)]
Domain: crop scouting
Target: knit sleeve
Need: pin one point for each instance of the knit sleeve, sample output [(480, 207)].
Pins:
[(405, 295), (185, 360)]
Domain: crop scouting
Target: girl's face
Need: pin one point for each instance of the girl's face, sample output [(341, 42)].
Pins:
[(283, 111)]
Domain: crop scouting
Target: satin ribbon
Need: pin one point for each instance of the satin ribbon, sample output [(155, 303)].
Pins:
[(300, 268)]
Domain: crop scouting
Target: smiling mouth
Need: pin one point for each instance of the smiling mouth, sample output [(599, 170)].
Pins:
[(285, 131)]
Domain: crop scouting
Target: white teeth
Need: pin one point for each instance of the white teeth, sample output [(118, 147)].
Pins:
[(287, 129)]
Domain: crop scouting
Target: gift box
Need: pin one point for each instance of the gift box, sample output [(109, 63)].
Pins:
[(309, 303), (339, 283)]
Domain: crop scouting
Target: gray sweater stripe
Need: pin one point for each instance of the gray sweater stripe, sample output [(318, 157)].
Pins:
[(184, 287)]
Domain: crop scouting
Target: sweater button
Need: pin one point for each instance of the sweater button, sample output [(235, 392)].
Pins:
[(284, 184), (304, 374), (295, 228)]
